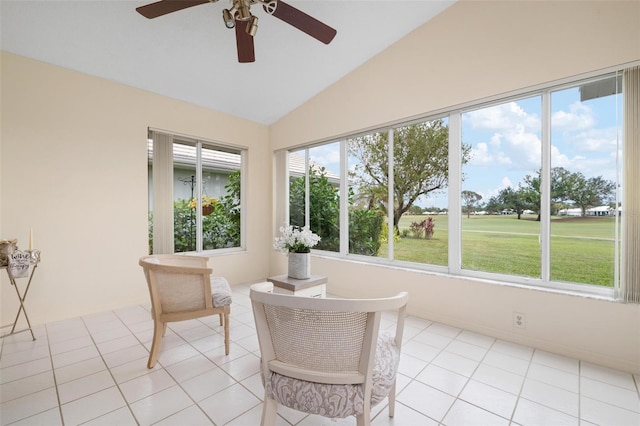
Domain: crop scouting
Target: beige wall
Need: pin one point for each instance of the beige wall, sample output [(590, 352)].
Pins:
[(74, 168), (471, 51)]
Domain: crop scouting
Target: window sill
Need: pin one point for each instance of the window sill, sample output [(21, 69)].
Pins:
[(571, 289)]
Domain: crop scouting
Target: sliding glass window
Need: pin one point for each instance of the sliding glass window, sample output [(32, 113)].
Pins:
[(194, 195)]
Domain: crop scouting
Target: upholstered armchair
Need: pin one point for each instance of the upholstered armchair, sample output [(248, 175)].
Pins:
[(182, 288), (326, 356)]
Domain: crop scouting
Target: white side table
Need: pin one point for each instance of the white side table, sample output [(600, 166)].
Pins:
[(315, 286)]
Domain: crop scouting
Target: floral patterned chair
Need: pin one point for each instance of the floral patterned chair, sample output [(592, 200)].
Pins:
[(182, 288), (326, 356)]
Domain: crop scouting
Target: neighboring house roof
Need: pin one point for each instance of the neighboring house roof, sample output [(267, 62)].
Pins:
[(185, 155), (600, 209), (297, 167)]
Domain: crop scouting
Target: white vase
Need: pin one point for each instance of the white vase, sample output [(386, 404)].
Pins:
[(300, 265)]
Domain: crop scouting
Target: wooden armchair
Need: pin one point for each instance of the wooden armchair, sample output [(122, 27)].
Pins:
[(181, 288), (325, 356)]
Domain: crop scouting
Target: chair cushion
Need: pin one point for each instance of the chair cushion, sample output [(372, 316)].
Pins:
[(220, 292), (337, 401)]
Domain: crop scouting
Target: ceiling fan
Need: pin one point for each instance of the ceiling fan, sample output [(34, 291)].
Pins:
[(239, 16)]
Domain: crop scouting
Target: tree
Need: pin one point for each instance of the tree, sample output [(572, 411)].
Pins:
[(494, 205), (416, 210), (421, 165), (591, 192), (568, 186), (513, 199), (562, 182), (470, 198)]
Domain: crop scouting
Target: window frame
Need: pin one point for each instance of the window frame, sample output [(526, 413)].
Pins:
[(454, 268), (199, 144)]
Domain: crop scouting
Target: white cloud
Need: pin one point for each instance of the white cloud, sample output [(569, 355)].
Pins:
[(523, 147), (480, 156), (596, 140), (326, 156), (515, 141), (515, 147), (579, 116), (586, 148), (558, 159), (506, 139), (502, 117), (589, 166), (505, 182)]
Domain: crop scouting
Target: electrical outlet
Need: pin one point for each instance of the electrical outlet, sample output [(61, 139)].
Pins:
[(519, 320)]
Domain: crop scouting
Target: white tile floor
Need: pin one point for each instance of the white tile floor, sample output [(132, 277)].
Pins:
[(92, 370)]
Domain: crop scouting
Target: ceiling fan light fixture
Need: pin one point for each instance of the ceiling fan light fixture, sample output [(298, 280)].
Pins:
[(228, 18), (252, 26), (244, 12)]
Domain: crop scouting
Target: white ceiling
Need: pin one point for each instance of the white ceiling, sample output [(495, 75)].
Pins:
[(190, 55)]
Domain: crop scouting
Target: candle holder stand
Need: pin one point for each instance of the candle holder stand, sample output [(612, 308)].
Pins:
[(34, 260)]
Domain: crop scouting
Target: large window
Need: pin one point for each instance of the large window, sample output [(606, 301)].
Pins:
[(194, 195), (525, 190)]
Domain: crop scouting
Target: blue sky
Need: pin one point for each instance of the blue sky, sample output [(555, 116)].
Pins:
[(505, 142)]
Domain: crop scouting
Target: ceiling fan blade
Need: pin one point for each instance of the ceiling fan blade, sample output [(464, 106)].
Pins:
[(164, 7), (244, 42), (304, 22)]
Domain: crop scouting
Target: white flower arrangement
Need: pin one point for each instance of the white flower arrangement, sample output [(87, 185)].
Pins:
[(296, 240)]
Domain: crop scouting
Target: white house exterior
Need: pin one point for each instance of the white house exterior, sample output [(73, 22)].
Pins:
[(601, 211), (594, 211)]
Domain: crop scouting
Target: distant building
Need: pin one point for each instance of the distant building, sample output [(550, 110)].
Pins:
[(570, 212), (601, 211), (594, 211)]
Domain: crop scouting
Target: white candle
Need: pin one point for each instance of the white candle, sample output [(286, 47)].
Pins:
[(30, 238)]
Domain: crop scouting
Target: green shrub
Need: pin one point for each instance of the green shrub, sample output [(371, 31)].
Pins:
[(365, 229), (220, 229), (365, 226)]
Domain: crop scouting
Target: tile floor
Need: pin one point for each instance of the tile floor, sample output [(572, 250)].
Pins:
[(92, 370)]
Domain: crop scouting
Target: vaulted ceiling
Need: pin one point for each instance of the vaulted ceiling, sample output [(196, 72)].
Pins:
[(190, 55)]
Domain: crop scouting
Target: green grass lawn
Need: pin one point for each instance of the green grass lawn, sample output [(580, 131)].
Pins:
[(582, 249)]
